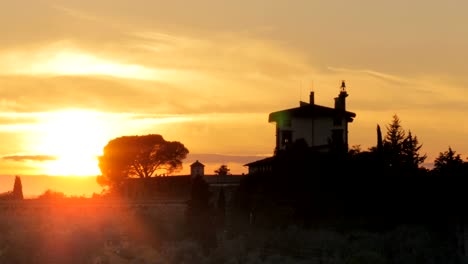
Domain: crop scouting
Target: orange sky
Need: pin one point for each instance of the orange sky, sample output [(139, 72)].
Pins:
[(75, 74)]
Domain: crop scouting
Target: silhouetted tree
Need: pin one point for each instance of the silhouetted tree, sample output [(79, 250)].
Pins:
[(198, 214), (17, 189), (52, 195), (139, 156), (401, 151), (221, 208), (379, 140), (448, 163), (355, 150), (410, 151), (377, 152), (393, 143), (199, 194), (223, 170)]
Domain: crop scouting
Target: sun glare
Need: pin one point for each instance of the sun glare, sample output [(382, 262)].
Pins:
[(75, 138)]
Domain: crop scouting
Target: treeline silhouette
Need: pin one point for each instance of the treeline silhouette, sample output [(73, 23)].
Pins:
[(16, 193), (382, 187)]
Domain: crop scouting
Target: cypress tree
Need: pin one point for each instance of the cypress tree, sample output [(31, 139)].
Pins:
[(17, 189), (221, 208), (379, 140), (199, 214)]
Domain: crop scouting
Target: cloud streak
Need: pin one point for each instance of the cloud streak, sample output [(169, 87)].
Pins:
[(24, 158), (371, 73)]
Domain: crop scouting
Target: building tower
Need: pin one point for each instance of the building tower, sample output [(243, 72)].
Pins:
[(340, 101), (197, 169)]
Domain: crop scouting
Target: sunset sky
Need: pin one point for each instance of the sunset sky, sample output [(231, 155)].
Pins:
[(76, 73)]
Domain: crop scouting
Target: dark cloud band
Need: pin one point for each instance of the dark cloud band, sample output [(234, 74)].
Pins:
[(22, 158)]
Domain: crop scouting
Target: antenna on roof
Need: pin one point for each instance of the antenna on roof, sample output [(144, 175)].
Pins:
[(300, 91)]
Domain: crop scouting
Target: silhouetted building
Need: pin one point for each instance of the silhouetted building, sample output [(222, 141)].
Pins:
[(309, 127), (178, 187), (322, 128), (261, 166), (197, 169), (161, 188)]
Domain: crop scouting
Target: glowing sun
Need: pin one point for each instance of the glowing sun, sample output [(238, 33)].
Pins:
[(75, 138)]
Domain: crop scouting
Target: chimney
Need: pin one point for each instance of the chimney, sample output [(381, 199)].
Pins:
[(312, 98)]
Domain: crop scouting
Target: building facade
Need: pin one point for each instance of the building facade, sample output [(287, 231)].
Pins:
[(320, 127), (197, 169), (313, 127)]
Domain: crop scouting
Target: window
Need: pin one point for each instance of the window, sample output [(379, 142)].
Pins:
[(286, 138)]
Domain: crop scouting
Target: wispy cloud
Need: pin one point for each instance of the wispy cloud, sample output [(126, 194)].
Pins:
[(371, 73), (73, 12), (23, 158), (220, 54), (63, 59)]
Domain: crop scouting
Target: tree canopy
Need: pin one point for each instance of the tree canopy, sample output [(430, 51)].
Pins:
[(410, 152), (52, 195), (401, 149), (449, 163), (139, 156), (393, 142), (223, 170)]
